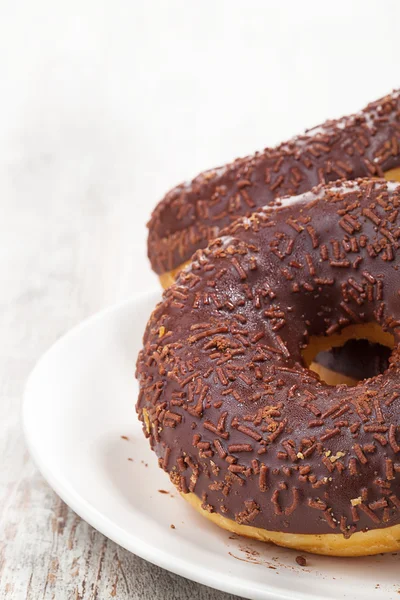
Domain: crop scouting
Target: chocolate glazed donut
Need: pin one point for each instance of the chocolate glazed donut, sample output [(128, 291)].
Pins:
[(362, 145), (247, 433)]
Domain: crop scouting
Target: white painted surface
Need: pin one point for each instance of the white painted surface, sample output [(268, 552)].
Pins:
[(104, 106)]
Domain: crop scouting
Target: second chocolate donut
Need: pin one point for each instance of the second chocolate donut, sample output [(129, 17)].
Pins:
[(361, 145)]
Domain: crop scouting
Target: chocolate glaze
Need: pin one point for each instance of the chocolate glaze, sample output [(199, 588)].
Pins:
[(361, 145), (233, 415)]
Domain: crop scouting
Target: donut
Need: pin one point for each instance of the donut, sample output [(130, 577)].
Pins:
[(361, 145), (249, 434)]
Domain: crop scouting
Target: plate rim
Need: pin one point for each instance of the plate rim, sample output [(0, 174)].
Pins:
[(104, 524)]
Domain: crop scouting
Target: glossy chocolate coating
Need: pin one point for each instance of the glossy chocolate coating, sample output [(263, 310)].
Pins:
[(231, 412), (190, 215)]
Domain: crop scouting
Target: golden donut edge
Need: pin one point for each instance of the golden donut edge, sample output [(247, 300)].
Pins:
[(168, 278), (368, 543)]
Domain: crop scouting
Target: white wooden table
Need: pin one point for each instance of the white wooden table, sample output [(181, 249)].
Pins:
[(64, 246), (103, 106)]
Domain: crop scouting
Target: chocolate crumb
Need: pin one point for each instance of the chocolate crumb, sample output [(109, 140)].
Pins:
[(301, 561), (124, 437), (173, 526), (163, 492)]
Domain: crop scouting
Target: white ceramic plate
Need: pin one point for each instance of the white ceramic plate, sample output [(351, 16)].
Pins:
[(80, 400)]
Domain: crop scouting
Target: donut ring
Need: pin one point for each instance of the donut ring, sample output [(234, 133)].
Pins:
[(363, 145), (244, 429)]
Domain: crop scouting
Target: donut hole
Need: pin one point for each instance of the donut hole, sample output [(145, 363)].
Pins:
[(359, 352), (393, 174)]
